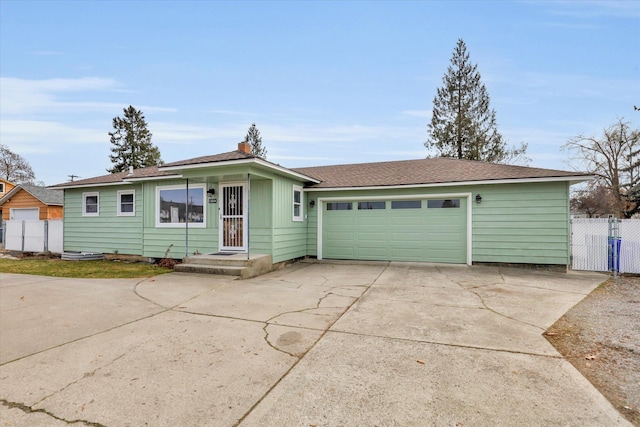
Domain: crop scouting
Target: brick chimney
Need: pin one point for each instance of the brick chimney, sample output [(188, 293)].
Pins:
[(244, 147)]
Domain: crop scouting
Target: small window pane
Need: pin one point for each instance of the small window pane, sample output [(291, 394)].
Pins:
[(91, 204), (443, 203), (339, 206), (406, 204), (371, 205), (296, 197), (296, 210)]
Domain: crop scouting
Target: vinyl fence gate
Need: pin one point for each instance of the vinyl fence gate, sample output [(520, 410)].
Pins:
[(601, 244), (33, 236)]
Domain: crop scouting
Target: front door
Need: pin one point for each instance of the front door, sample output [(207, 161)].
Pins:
[(233, 236)]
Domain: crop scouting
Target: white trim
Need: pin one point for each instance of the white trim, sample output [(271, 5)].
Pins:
[(106, 184), (321, 200), (245, 216), (300, 216), (12, 210), (84, 203), (119, 203), (125, 181), (202, 224), (241, 162), (149, 178), (456, 184)]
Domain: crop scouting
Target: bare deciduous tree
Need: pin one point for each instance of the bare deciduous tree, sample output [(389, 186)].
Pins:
[(14, 167), (595, 201), (612, 158)]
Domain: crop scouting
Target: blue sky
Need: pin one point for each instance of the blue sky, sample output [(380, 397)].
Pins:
[(325, 82)]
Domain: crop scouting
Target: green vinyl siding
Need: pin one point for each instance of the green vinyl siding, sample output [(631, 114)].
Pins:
[(261, 216), (289, 236), (107, 232), (522, 223), (514, 223)]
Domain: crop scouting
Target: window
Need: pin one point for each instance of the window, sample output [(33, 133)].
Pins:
[(406, 204), (90, 204), (440, 203), (174, 206), (339, 206), (1, 187), (371, 205), (297, 203), (127, 203)]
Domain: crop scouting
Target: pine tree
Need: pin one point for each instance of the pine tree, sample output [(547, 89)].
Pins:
[(131, 142), (255, 140), (463, 125)]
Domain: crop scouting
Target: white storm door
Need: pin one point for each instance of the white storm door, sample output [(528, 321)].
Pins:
[(233, 212)]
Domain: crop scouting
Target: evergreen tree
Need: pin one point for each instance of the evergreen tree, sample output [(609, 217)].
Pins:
[(255, 140), (131, 143), (463, 125)]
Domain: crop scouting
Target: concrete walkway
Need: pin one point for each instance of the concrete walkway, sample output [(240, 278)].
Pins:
[(313, 344)]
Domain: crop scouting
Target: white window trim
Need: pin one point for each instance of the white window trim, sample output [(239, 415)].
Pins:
[(84, 204), (122, 193), (300, 216), (202, 224)]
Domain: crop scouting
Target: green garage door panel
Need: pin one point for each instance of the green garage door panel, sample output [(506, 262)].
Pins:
[(425, 234)]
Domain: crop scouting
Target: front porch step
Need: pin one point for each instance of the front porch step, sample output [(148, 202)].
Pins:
[(210, 269), (229, 265)]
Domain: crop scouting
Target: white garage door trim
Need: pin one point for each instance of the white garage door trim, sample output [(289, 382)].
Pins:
[(14, 211), (323, 200)]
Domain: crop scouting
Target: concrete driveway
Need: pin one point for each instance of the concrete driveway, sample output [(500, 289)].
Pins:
[(314, 344)]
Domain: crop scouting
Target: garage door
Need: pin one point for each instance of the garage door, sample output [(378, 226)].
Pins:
[(426, 230), (30, 214)]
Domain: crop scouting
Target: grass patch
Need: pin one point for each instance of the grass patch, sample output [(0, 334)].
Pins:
[(81, 269)]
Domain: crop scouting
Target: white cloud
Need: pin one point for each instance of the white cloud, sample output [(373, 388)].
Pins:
[(418, 113), (39, 136), (23, 96), (19, 96)]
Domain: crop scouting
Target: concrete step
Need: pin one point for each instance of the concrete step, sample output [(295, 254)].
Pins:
[(232, 260), (230, 265), (226, 270)]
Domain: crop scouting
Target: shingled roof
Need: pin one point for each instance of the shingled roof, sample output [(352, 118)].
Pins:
[(438, 170), (116, 178), (392, 173), (222, 157), (45, 195), (153, 171)]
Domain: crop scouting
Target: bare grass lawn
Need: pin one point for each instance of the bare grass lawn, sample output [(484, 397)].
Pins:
[(48, 266)]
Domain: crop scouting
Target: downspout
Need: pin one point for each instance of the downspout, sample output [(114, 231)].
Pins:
[(248, 213), (186, 223)]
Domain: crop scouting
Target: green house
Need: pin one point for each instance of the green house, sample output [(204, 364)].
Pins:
[(427, 210)]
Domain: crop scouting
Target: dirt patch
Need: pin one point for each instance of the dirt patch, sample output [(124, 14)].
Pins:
[(600, 336)]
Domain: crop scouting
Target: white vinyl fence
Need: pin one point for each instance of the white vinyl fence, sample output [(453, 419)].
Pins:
[(591, 245), (33, 236)]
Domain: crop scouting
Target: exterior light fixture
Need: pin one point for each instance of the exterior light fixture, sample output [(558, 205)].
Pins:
[(211, 191), (478, 199), (312, 203)]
